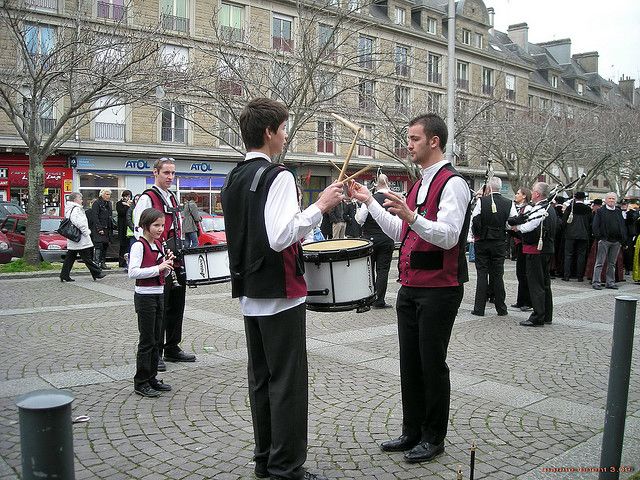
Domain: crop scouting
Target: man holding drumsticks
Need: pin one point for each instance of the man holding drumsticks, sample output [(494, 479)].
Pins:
[(264, 226), (432, 224)]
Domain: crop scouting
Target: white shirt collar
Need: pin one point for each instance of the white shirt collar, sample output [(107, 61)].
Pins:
[(430, 171), (609, 208), (252, 155)]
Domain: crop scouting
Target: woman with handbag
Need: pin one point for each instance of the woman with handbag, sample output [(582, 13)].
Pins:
[(83, 247)]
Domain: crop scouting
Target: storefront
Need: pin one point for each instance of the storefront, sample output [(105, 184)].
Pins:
[(14, 182), (204, 178)]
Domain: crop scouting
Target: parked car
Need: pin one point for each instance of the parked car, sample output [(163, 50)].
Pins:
[(9, 208), (53, 246), (6, 252), (211, 230)]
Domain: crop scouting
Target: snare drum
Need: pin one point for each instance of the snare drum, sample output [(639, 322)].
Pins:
[(206, 265), (338, 274)]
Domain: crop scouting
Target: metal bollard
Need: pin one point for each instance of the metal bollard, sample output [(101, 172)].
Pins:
[(46, 435), (618, 391)]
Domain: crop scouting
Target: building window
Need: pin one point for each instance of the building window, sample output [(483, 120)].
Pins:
[(282, 33), (230, 82), (365, 149), (229, 131), (510, 87), (466, 36), (402, 60), (595, 182), (48, 5), (175, 57), (400, 148), (400, 16), (282, 81), (173, 123), (544, 104), (432, 25), (402, 100), (326, 41), (326, 141), (365, 52), (46, 117), (554, 81), (365, 95), (326, 83), (111, 9), (40, 40), (487, 81), (433, 69), (434, 100), (173, 15), (580, 89), (478, 40), (231, 20), (530, 101), (109, 124), (462, 75)]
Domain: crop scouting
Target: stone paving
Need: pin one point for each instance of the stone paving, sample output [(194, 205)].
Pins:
[(531, 399)]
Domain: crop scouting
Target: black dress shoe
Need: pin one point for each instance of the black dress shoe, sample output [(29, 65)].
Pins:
[(596, 286), (160, 386), (565, 279), (400, 444), (161, 365), (146, 391), (424, 452), (307, 476), (99, 276), (515, 305), (477, 314), (68, 279), (179, 356), (529, 323), (526, 308), (502, 314), (260, 471), (612, 287)]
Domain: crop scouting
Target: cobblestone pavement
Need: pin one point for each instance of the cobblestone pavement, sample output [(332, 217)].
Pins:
[(531, 399)]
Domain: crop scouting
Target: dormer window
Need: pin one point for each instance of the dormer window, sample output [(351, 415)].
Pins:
[(400, 16), (432, 25), (478, 40), (580, 89), (466, 36), (554, 81)]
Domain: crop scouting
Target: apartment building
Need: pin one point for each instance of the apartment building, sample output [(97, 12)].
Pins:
[(378, 64)]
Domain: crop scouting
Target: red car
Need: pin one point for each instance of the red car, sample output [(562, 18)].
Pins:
[(6, 252), (211, 230), (53, 246)]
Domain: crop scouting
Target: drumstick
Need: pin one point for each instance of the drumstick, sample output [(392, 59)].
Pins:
[(358, 173), (354, 128), (335, 166)]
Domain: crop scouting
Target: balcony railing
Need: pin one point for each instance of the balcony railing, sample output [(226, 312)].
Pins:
[(402, 69), (109, 131), (487, 89), (434, 77), (51, 5), (463, 84), (283, 44), (175, 135), (47, 124), (171, 22), (366, 62), (231, 34), (111, 11)]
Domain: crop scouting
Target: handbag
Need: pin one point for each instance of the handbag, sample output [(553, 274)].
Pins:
[(68, 230)]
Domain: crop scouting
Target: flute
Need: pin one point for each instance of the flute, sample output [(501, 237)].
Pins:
[(174, 277)]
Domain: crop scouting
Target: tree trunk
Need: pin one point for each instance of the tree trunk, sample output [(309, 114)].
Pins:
[(34, 208)]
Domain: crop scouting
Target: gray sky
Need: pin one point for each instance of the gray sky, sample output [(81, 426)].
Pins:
[(610, 27)]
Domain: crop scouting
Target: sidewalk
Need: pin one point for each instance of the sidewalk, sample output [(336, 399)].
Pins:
[(531, 399)]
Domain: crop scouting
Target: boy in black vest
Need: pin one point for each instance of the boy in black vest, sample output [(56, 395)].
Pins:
[(264, 226)]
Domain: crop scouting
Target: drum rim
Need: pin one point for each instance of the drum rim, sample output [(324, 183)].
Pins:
[(342, 306), (209, 281), (338, 254), (204, 249)]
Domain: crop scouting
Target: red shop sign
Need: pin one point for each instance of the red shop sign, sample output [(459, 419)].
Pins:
[(19, 177)]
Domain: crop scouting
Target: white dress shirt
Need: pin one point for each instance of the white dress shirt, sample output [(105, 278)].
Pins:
[(512, 213), (136, 271), (144, 202), (363, 211), (285, 225), (537, 219), (445, 230)]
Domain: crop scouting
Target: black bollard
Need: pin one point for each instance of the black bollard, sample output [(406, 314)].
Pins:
[(46, 435), (618, 391)]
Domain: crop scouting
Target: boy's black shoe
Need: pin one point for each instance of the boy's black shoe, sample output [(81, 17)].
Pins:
[(160, 386), (146, 391)]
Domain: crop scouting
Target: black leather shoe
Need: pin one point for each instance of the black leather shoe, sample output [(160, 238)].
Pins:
[(548, 322), (526, 308), (565, 279), (515, 305), (477, 314), (400, 444), (68, 279), (313, 476), (161, 365), (596, 286), (612, 287), (424, 452), (502, 314), (146, 391), (99, 276), (160, 386), (179, 356), (529, 323), (260, 471)]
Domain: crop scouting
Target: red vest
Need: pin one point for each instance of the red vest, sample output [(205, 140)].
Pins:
[(151, 258), (422, 264), (157, 201)]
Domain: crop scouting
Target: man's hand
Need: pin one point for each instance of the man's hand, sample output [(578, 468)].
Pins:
[(330, 197), (359, 192), (397, 205)]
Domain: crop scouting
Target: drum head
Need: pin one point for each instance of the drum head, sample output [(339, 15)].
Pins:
[(337, 250)]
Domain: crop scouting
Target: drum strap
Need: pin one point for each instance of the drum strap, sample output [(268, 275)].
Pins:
[(256, 178)]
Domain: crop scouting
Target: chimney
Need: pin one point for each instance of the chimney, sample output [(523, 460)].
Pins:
[(588, 61), (559, 49), (492, 14), (519, 34), (627, 88)]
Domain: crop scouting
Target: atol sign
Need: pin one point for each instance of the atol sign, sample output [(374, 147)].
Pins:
[(137, 165), (201, 167)]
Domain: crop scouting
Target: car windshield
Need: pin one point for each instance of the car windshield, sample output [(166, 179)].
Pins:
[(49, 224), (12, 209), (213, 224)]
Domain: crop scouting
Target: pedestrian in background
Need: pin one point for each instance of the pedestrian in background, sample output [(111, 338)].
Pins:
[(130, 225), (83, 247), (611, 232), (190, 220), (338, 225), (122, 206), (102, 226)]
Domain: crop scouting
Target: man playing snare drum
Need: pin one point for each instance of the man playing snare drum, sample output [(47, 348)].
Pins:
[(264, 226), (432, 224)]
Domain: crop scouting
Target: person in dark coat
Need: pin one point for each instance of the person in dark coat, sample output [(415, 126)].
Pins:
[(122, 206), (611, 232), (577, 229), (353, 229), (102, 227), (523, 300)]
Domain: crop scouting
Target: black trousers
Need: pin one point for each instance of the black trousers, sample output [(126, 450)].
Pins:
[(524, 298), (490, 256), (174, 300), (540, 288), (425, 320), (123, 249), (86, 254), (150, 310), (574, 248), (382, 253), (278, 379)]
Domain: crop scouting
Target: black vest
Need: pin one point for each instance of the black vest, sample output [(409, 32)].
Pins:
[(489, 225), (257, 271), (549, 228), (370, 228)]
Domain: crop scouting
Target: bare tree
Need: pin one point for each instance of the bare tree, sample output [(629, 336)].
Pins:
[(62, 77)]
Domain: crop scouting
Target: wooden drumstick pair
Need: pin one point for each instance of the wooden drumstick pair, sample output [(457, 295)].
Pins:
[(356, 130)]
